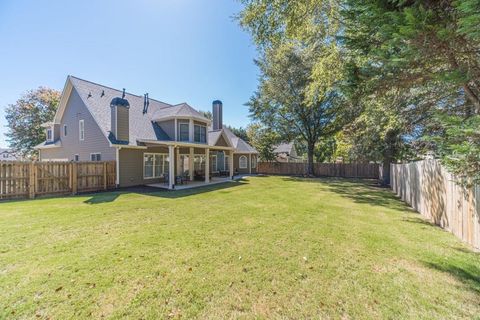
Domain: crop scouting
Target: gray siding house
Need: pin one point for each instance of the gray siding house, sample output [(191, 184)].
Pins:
[(151, 141)]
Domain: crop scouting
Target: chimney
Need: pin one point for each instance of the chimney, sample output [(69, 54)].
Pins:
[(119, 126), (217, 115)]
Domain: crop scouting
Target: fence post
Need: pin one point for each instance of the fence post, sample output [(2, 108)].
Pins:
[(31, 179), (74, 178), (104, 176)]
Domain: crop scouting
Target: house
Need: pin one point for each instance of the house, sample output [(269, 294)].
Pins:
[(9, 155), (151, 141), (286, 152)]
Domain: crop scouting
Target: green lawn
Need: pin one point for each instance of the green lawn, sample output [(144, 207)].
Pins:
[(264, 247)]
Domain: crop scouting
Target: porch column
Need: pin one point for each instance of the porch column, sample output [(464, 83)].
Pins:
[(230, 164), (207, 165), (190, 130), (171, 167), (190, 164), (250, 163), (177, 162)]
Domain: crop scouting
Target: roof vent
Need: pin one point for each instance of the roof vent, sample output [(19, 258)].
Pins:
[(146, 103), (89, 95), (103, 93), (123, 94)]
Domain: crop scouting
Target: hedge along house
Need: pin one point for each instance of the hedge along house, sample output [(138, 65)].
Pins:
[(151, 141)]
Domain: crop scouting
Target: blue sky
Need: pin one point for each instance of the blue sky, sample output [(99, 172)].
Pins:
[(176, 50)]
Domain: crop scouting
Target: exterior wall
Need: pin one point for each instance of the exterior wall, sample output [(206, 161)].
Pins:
[(236, 164), (94, 142), (131, 166), (169, 128)]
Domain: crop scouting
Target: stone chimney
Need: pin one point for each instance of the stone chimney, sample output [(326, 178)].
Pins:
[(120, 119), (217, 114)]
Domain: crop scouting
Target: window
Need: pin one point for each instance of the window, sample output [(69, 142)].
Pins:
[(81, 130), (76, 157), (227, 163), (243, 162), (213, 160), (65, 130), (49, 134), (254, 162), (155, 165), (183, 131), (95, 157), (200, 133), (199, 163)]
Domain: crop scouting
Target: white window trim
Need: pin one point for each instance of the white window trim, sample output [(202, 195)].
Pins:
[(51, 134), (226, 162), (214, 161), (99, 153), (81, 130), (206, 133), (165, 155), (180, 124), (65, 130), (240, 162)]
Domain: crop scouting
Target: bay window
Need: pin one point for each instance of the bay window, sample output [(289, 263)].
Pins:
[(200, 133), (183, 131)]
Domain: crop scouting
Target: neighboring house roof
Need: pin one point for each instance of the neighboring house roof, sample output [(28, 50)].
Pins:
[(284, 148), (8, 153), (143, 125)]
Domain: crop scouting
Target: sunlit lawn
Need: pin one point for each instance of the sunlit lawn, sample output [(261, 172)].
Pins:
[(265, 247)]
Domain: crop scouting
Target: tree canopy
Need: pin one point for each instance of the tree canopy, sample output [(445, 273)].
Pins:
[(25, 117)]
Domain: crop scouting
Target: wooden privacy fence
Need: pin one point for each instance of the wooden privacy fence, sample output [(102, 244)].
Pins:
[(344, 170), (21, 179), (432, 191)]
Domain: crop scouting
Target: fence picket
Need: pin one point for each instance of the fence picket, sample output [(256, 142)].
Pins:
[(28, 179), (344, 170), (432, 191)]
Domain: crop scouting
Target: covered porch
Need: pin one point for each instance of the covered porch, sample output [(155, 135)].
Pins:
[(193, 164)]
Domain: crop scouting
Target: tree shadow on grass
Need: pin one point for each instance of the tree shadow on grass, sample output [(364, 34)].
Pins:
[(467, 273), (105, 197), (361, 191)]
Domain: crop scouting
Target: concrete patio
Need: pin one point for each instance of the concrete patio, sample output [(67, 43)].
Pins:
[(197, 184)]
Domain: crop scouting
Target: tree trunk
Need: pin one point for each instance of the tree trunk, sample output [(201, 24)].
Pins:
[(310, 152), (388, 155), (472, 97), (386, 172)]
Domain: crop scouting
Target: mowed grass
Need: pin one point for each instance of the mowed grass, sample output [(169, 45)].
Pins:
[(264, 247)]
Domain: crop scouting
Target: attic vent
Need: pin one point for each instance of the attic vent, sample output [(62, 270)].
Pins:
[(146, 102)]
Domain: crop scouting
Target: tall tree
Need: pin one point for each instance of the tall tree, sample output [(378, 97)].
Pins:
[(25, 117), (240, 132), (290, 101), (263, 139)]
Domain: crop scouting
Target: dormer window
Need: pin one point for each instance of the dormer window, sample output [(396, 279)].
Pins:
[(49, 134), (200, 133), (183, 131)]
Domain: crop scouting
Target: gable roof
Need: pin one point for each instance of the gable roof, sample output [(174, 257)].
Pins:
[(239, 144), (143, 125), (179, 110), (284, 148)]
